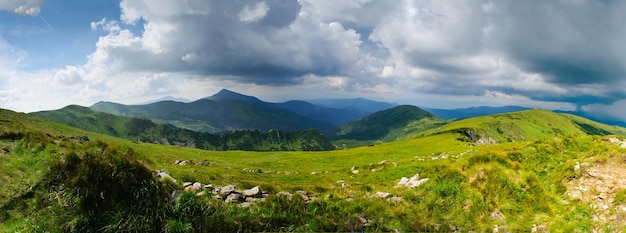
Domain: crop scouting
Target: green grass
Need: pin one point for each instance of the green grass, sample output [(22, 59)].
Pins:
[(524, 180)]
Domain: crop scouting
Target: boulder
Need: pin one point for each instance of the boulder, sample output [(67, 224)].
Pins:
[(253, 192), (403, 181), (164, 175), (234, 197), (196, 187), (226, 190)]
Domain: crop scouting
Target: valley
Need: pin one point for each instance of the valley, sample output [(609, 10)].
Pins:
[(519, 170)]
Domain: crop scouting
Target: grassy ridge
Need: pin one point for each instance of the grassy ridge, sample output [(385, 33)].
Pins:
[(529, 125), (144, 130), (523, 181)]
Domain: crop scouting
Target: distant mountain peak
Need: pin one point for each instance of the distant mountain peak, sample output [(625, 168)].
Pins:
[(226, 94)]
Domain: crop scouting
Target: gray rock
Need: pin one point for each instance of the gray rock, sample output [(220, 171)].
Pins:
[(396, 199), (226, 190), (196, 187), (234, 197), (253, 192), (187, 184)]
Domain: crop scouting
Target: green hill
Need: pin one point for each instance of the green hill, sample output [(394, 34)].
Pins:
[(528, 125), (388, 125), (224, 111), (56, 178), (144, 130)]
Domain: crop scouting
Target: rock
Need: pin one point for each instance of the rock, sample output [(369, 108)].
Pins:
[(355, 171), (383, 195), (177, 162), (344, 185), (226, 190), (208, 187), (253, 192), (396, 199), (497, 215), (403, 181), (187, 184), (383, 162), (164, 175), (305, 195), (197, 187), (258, 170), (234, 197), (415, 184)]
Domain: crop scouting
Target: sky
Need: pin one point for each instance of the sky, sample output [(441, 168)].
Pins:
[(558, 54)]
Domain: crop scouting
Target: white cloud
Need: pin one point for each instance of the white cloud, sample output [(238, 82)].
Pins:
[(254, 13), (22, 7)]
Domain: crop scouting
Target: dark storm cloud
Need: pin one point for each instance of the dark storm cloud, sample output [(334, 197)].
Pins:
[(265, 42)]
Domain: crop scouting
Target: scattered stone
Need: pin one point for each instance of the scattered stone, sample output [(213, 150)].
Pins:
[(383, 195), (376, 169), (187, 184), (383, 162), (355, 171), (413, 182), (164, 175), (208, 187), (344, 185), (403, 181), (184, 162), (226, 190), (253, 192), (197, 187), (234, 197), (396, 199)]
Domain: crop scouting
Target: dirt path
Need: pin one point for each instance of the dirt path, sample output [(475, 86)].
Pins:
[(597, 186)]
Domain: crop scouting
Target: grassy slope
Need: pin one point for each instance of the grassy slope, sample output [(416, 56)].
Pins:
[(529, 125), (524, 180), (388, 125), (142, 129)]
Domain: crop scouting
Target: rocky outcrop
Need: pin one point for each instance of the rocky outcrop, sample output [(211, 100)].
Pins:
[(412, 182)]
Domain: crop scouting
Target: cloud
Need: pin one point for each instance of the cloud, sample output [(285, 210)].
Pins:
[(264, 42), (22, 7), (549, 51)]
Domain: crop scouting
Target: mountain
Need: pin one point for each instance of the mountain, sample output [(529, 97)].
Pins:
[(224, 111), (361, 105), (462, 113), (168, 98), (144, 130), (389, 124)]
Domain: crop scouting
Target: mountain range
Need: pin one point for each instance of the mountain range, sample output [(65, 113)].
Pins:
[(347, 120)]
